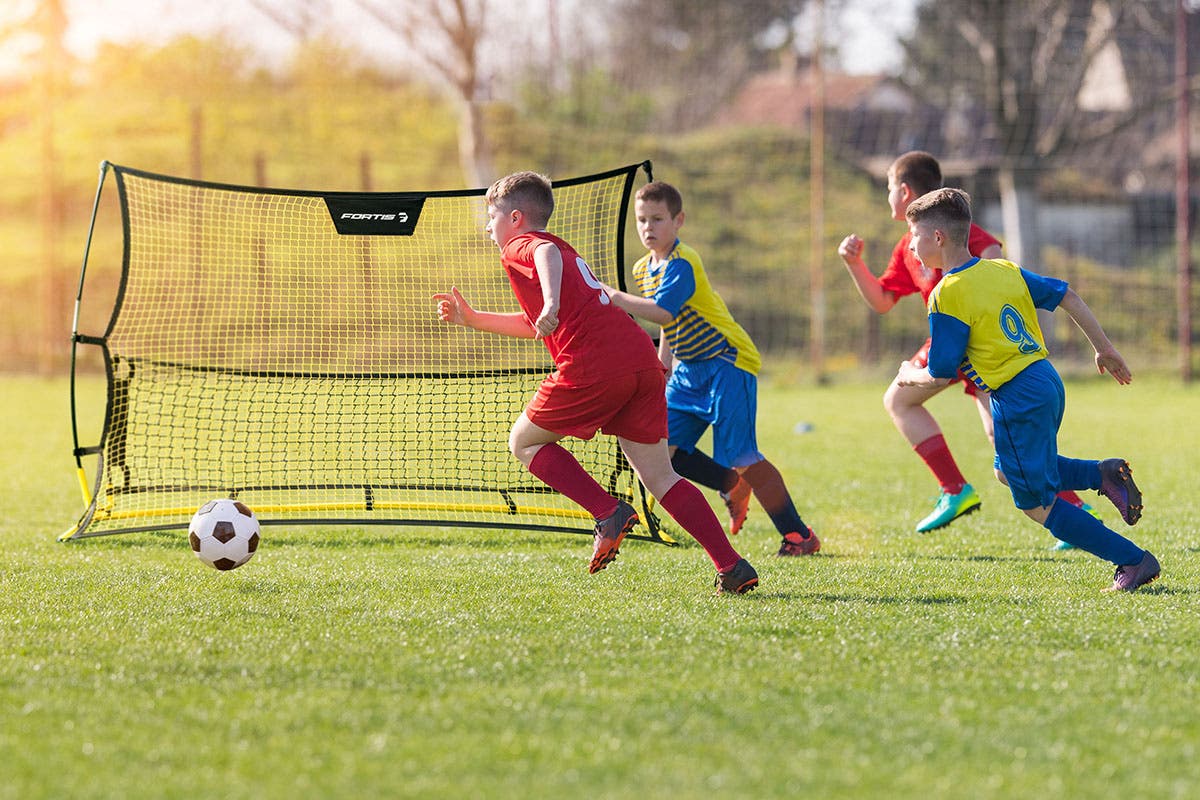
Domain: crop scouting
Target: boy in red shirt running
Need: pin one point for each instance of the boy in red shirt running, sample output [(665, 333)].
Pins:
[(910, 176), (607, 377)]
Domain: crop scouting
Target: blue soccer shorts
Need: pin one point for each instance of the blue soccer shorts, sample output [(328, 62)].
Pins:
[(714, 393), (1027, 412)]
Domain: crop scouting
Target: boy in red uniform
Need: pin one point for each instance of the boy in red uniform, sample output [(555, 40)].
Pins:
[(910, 176), (607, 377)]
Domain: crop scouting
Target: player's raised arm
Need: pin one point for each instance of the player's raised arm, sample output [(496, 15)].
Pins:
[(879, 299), (452, 307), (1107, 358)]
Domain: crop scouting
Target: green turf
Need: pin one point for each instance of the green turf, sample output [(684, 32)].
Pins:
[(401, 662)]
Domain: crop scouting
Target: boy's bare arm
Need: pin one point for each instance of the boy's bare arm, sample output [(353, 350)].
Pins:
[(879, 299), (547, 260), (1107, 358), (642, 307), (453, 308), (910, 374), (665, 354)]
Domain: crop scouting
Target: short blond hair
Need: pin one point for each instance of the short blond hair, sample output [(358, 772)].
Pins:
[(527, 192), (948, 210)]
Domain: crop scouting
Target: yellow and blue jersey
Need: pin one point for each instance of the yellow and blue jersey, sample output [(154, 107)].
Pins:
[(983, 320), (702, 328)]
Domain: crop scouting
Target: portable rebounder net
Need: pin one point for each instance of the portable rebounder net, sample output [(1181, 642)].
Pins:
[(281, 347)]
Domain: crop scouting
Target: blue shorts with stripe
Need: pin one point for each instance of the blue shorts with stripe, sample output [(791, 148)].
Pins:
[(1027, 412), (714, 393)]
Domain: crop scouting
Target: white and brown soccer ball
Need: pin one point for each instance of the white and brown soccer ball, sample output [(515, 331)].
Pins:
[(224, 533)]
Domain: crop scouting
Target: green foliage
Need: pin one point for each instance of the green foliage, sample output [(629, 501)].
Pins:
[(451, 663), (147, 106)]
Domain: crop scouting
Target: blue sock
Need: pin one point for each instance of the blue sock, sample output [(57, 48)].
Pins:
[(1077, 527), (1075, 473), (697, 467)]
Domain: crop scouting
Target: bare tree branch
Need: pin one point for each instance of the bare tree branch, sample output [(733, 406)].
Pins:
[(301, 19), (458, 27)]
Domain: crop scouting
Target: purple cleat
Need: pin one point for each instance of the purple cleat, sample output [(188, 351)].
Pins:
[(1129, 577), (1116, 483)]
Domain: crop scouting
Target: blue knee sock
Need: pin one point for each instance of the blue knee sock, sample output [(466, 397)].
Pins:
[(1078, 527), (697, 467), (1075, 473)]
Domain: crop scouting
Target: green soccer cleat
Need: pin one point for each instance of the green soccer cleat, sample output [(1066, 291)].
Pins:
[(949, 508)]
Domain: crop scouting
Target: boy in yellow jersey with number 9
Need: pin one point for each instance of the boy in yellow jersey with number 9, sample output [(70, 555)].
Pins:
[(911, 175), (983, 323)]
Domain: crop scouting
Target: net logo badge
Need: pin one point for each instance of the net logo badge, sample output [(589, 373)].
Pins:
[(400, 215), (375, 214)]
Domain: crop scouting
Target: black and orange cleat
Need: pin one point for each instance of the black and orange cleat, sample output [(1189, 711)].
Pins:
[(739, 579), (610, 532), (799, 544)]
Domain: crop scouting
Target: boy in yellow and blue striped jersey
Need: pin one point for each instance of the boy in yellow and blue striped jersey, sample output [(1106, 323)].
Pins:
[(983, 320), (714, 381)]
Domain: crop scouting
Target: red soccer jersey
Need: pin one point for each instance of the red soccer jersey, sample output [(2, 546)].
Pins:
[(905, 274), (594, 339)]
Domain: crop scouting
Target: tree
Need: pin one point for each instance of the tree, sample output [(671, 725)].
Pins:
[(695, 54), (448, 36), (46, 21), (1027, 65)]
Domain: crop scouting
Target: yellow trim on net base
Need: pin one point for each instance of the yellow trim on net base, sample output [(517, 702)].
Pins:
[(83, 487), (482, 508)]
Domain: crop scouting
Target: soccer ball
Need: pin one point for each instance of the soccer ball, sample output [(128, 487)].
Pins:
[(224, 534)]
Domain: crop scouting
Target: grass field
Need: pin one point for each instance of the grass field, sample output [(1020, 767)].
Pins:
[(971, 663)]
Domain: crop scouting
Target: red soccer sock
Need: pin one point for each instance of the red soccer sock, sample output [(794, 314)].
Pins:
[(1071, 497), (687, 506), (936, 455), (557, 468)]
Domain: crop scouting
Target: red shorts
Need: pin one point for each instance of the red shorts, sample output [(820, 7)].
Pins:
[(921, 359), (632, 406)]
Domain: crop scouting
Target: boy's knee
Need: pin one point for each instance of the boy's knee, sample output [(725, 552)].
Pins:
[(1038, 514), (889, 399), (1000, 477), (519, 449)]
